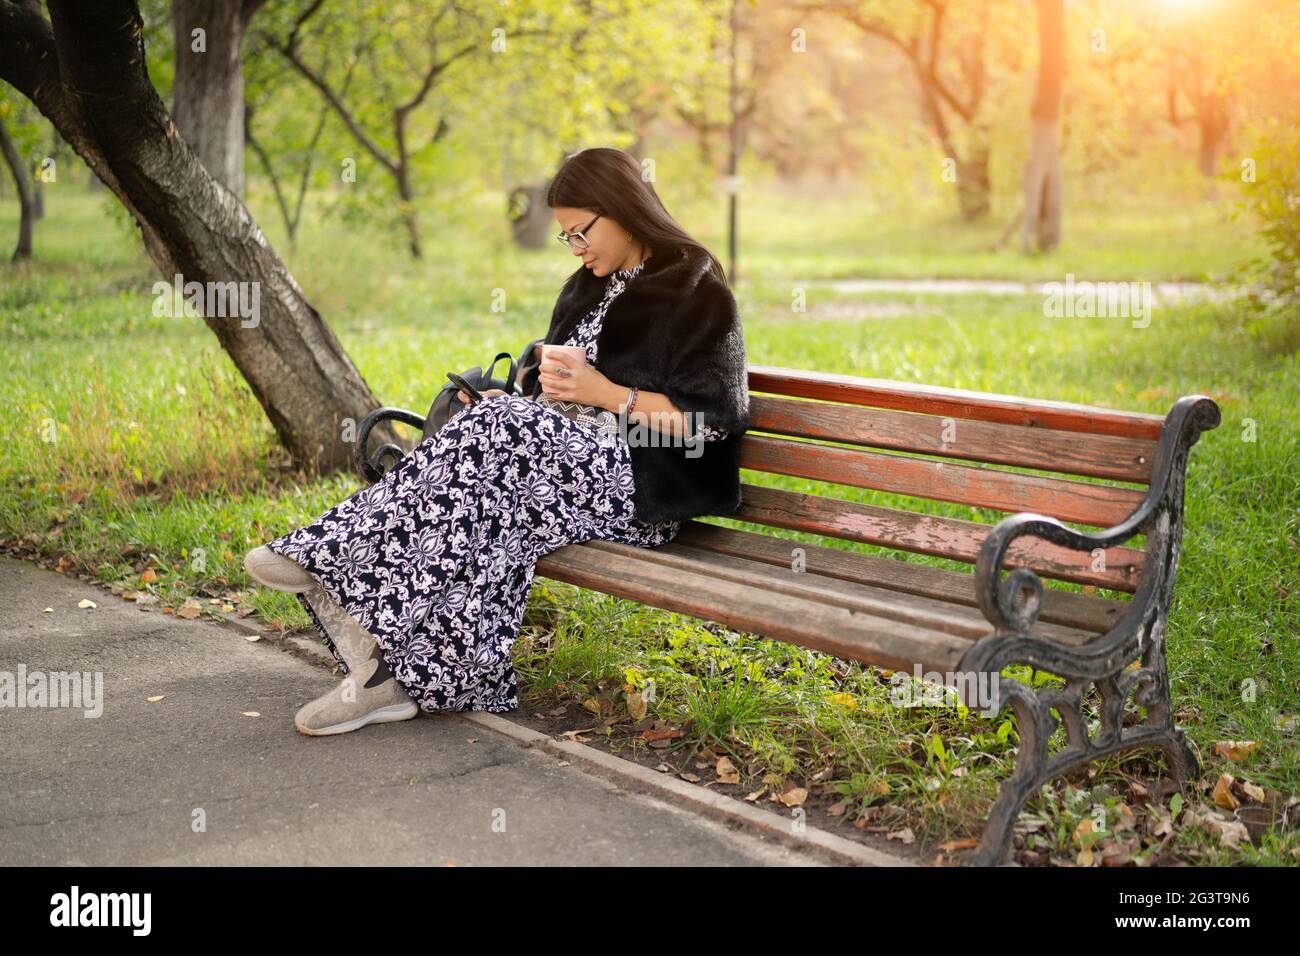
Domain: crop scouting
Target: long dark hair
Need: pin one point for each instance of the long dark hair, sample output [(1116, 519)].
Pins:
[(608, 181)]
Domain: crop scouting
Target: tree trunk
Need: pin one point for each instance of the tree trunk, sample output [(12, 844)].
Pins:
[(407, 206), (26, 204), (1041, 225), (530, 217), (973, 182), (974, 187), (208, 94), (1212, 123), (191, 224)]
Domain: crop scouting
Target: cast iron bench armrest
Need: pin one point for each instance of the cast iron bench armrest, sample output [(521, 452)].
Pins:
[(373, 466), (1012, 604)]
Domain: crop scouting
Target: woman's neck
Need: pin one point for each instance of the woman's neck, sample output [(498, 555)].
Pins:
[(632, 265)]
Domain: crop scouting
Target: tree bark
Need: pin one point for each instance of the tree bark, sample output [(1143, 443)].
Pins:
[(85, 70), (26, 203), (974, 187), (530, 217), (1212, 123), (208, 93), (1043, 180)]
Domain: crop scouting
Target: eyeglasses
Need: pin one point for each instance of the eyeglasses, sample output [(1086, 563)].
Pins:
[(578, 240)]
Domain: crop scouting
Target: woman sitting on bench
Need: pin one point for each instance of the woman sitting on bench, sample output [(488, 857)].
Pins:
[(418, 583)]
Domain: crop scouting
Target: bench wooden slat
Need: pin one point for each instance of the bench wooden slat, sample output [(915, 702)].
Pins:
[(1078, 501), (1068, 453), (936, 400), (833, 630), (1069, 608), (929, 534), (708, 566)]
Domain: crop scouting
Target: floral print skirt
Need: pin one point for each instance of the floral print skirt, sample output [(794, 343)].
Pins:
[(436, 559)]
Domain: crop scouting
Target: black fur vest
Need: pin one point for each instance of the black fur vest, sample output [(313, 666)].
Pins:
[(675, 329)]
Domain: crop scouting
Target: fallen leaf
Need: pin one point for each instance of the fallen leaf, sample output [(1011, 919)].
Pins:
[(86, 602), (190, 609), (252, 637), (48, 610), (1223, 793), (148, 576), (1164, 824), (636, 705), (156, 697), (965, 844), (1118, 854), (1235, 750), (251, 713), (794, 797), (1229, 832), (660, 732), (904, 835), (726, 771)]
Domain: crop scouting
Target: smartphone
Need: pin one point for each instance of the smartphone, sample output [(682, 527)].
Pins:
[(474, 394)]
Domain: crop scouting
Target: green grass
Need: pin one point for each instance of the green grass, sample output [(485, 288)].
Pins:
[(131, 442)]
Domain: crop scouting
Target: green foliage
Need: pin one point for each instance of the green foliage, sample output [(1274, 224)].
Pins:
[(1273, 200)]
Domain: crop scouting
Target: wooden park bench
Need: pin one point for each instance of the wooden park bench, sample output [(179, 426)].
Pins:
[(991, 452)]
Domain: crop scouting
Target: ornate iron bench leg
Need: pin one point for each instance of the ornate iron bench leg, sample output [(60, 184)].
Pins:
[(1149, 686)]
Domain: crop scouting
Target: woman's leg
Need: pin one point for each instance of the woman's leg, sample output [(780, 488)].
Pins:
[(382, 550), (436, 559), (535, 498)]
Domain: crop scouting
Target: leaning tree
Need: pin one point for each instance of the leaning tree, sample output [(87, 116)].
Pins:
[(84, 69)]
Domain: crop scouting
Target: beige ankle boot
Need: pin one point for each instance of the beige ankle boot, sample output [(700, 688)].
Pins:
[(365, 696), (276, 571)]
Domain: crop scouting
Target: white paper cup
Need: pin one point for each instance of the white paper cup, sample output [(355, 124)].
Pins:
[(578, 352)]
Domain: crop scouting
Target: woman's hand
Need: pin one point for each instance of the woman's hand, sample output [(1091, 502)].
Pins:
[(571, 380), (490, 393)]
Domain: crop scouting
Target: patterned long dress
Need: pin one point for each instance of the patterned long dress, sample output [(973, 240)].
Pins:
[(436, 559)]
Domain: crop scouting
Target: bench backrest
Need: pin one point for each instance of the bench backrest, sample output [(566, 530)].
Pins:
[(993, 452)]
